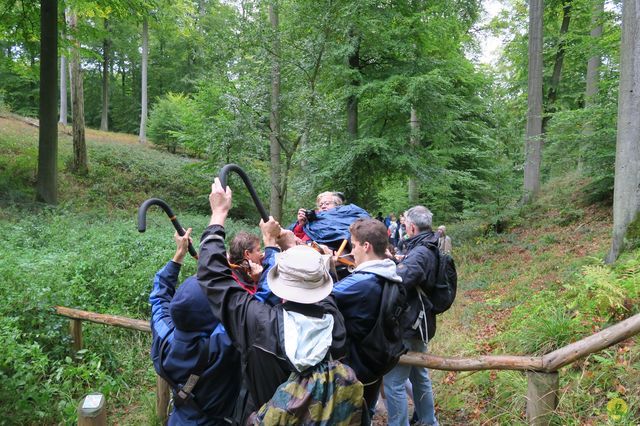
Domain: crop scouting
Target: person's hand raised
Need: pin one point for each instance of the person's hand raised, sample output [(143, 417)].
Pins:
[(270, 231), (302, 216), (220, 202), (182, 245)]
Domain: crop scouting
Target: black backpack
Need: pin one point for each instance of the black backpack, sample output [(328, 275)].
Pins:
[(381, 349), (444, 292)]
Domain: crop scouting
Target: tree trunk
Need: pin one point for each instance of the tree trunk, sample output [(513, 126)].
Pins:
[(47, 182), (63, 90), (352, 100), (70, 74), (63, 84), (593, 73), (123, 79), (626, 193), (557, 66), (79, 164), (275, 204), (67, 21), (533, 145), (143, 87), (593, 65), (414, 141), (106, 48)]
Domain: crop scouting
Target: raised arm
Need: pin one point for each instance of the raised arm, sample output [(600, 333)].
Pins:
[(237, 309), (164, 288)]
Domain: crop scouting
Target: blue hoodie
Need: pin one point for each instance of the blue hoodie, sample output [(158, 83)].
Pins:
[(186, 321), (358, 298)]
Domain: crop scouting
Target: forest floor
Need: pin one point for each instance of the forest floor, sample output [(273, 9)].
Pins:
[(494, 277)]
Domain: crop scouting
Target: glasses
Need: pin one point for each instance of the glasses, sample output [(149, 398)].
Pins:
[(326, 203)]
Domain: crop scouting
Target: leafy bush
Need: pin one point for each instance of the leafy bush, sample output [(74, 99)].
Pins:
[(168, 120)]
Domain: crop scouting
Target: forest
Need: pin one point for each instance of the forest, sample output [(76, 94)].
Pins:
[(531, 158)]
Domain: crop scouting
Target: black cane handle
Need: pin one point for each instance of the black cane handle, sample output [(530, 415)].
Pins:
[(235, 168), (142, 219)]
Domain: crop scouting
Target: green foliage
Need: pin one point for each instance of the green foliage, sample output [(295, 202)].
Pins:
[(168, 120), (95, 262), (598, 294), (4, 108)]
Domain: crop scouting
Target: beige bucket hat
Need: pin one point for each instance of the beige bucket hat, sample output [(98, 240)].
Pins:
[(301, 274)]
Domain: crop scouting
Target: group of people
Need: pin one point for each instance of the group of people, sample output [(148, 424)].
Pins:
[(397, 231), (231, 339)]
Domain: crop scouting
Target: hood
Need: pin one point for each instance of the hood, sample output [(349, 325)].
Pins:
[(306, 339), (423, 238), (189, 308), (385, 268)]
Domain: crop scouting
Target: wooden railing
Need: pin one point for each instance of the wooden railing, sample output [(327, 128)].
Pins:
[(542, 371)]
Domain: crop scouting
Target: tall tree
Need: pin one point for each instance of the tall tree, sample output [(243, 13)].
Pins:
[(106, 60), (79, 164), (593, 65), (352, 100), (552, 94), (47, 183), (63, 90), (143, 88), (534, 138), (626, 193), (593, 72), (414, 143), (63, 85), (275, 204)]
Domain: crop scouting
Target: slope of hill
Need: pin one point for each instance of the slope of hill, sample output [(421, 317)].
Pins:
[(532, 289)]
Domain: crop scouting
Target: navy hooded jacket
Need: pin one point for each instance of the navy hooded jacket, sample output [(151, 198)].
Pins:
[(358, 297), (186, 321)]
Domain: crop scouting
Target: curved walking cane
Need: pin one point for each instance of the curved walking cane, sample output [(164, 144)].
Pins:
[(235, 168), (142, 219)]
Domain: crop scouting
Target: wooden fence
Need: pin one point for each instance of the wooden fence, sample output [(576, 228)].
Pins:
[(542, 371)]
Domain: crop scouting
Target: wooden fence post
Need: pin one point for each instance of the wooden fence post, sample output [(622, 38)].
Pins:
[(162, 399), (92, 410), (542, 397), (75, 328)]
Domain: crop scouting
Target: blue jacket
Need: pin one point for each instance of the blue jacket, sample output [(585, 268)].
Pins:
[(332, 226), (358, 298), (185, 320)]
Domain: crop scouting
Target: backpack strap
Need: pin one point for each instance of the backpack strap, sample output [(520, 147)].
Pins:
[(182, 393), (421, 320)]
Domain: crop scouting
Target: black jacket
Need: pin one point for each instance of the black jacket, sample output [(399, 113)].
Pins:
[(418, 268), (255, 328)]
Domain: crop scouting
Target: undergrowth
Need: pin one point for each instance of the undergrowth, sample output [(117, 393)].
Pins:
[(534, 288), (94, 262)]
